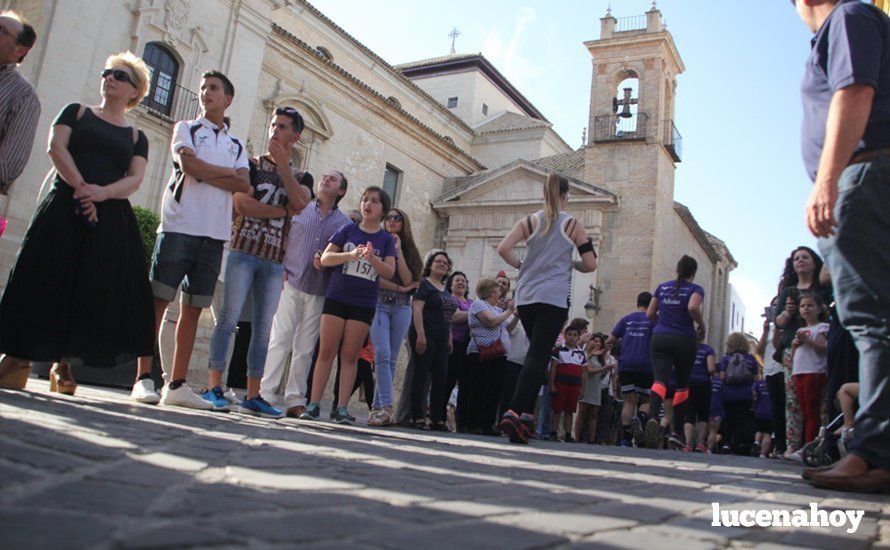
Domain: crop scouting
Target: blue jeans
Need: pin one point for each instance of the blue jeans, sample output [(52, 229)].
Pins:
[(246, 272), (544, 414), (858, 257), (388, 331)]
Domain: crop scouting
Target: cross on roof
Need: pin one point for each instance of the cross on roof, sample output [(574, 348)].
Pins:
[(453, 34)]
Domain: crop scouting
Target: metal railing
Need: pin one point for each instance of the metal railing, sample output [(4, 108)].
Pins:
[(673, 141), (183, 105), (616, 128), (633, 23)]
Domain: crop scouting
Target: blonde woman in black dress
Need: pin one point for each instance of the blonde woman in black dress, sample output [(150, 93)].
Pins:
[(79, 290)]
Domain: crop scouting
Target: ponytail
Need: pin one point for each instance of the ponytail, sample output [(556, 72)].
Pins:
[(686, 268), (555, 188)]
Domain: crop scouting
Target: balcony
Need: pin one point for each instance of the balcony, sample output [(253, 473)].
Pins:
[(183, 105), (633, 23), (673, 141), (616, 128)]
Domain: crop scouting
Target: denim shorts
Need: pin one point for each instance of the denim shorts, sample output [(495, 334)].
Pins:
[(187, 260)]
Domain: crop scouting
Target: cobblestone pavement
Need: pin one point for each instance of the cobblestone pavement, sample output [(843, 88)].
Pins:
[(99, 471)]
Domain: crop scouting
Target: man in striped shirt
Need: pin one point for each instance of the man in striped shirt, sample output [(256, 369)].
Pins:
[(19, 106), (259, 239), (296, 323)]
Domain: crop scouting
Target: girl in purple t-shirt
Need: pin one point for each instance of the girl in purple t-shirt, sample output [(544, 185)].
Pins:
[(361, 253), (676, 309)]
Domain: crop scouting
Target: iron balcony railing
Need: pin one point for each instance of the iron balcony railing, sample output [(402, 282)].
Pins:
[(177, 103), (617, 128), (633, 23), (673, 141)]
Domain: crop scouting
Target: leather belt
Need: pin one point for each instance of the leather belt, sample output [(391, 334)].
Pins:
[(869, 155)]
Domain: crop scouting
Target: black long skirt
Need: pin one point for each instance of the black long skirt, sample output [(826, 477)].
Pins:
[(79, 294)]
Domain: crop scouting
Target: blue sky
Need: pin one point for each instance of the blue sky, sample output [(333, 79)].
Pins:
[(738, 103)]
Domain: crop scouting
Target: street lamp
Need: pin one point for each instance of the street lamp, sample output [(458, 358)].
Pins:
[(592, 307)]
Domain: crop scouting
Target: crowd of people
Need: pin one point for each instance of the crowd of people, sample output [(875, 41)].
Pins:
[(327, 285)]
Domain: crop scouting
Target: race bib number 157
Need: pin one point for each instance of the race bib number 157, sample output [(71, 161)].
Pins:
[(358, 268)]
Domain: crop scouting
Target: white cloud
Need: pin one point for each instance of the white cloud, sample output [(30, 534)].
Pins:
[(505, 53)]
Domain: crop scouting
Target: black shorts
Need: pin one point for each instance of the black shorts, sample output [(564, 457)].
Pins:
[(635, 381), (699, 409), (348, 312), (765, 426)]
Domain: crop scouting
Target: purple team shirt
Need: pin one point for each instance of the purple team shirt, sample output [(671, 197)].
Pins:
[(673, 308), (355, 282), (742, 390), (459, 332), (762, 408), (700, 368), (635, 333)]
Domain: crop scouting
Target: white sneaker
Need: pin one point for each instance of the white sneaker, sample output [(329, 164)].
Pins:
[(230, 396), (144, 392), (183, 396)]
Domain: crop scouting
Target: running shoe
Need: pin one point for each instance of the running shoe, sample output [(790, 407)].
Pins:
[(144, 392), (259, 407), (675, 443), (517, 428), (686, 449), (217, 398), (312, 412), (653, 435), (183, 396), (700, 448), (639, 421), (342, 417), (625, 443)]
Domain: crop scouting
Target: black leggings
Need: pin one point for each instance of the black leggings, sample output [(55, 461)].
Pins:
[(672, 352), (775, 383), (458, 373), (699, 409), (542, 324), (739, 420)]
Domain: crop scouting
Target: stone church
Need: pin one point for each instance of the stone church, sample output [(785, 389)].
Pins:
[(460, 149)]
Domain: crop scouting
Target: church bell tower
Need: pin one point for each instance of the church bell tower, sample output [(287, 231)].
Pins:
[(632, 150)]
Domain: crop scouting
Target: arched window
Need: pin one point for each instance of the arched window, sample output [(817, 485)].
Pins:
[(324, 52), (164, 69)]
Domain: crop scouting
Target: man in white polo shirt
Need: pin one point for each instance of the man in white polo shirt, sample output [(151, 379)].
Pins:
[(209, 165)]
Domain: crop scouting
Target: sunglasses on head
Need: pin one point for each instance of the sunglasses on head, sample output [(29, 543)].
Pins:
[(394, 218), (285, 111), (119, 74)]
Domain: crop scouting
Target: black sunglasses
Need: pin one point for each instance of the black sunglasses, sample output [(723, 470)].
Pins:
[(286, 111), (119, 74), (394, 218)]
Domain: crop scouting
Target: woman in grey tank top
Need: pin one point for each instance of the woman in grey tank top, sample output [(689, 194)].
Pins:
[(542, 292)]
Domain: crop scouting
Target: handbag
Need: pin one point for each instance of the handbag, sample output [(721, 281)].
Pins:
[(491, 351)]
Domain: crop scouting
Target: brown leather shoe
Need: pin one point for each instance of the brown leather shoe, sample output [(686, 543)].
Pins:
[(875, 481), (295, 412), (807, 473)]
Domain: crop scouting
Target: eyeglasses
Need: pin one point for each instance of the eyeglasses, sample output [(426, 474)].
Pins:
[(394, 218), (442, 262), (119, 74)]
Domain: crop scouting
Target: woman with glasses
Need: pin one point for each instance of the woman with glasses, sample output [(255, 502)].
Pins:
[(430, 338), (393, 316), (79, 289)]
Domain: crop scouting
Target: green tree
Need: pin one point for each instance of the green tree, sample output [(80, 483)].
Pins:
[(148, 225)]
